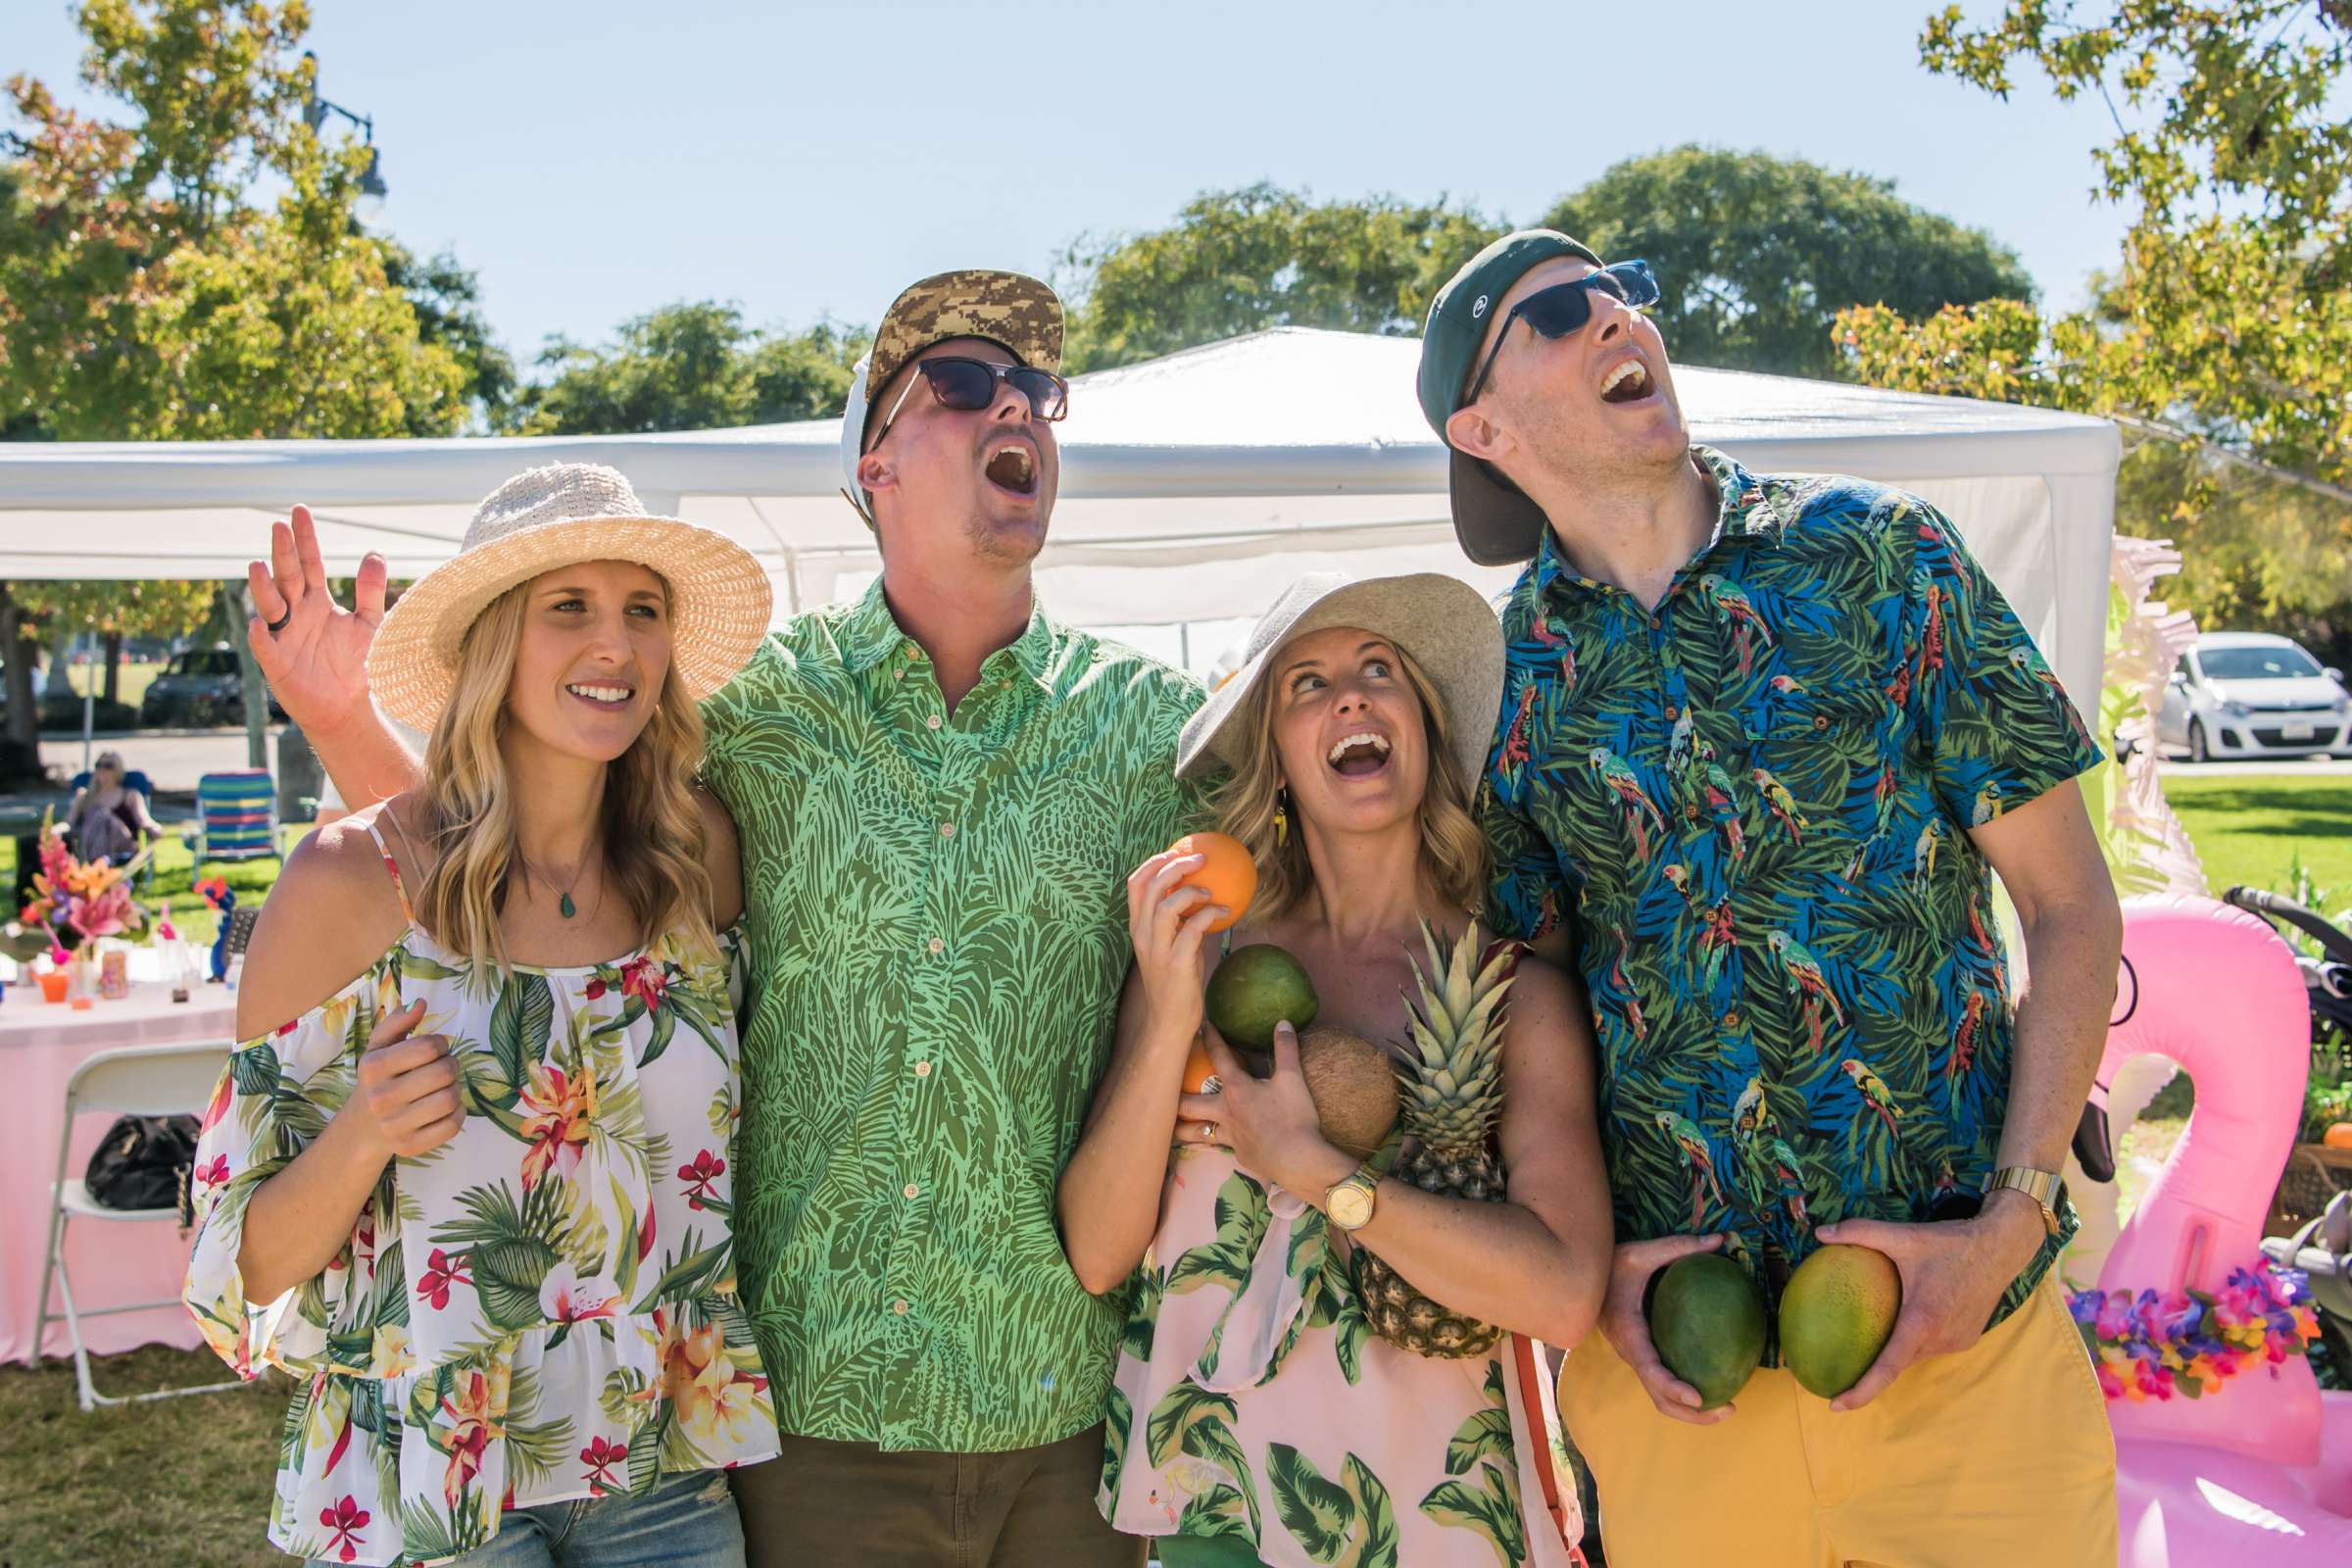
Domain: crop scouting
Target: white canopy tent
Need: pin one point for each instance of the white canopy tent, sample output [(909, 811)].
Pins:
[(1193, 488)]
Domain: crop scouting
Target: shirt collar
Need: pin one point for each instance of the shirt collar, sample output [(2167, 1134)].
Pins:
[(1744, 509), (872, 634)]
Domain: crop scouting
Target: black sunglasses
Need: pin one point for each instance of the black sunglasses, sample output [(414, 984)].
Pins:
[(967, 385), (1565, 308)]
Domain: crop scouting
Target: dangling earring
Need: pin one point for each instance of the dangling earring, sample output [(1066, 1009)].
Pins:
[(1282, 816)]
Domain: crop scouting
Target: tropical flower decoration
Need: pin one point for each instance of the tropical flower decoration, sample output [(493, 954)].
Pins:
[(2189, 1343), (89, 897)]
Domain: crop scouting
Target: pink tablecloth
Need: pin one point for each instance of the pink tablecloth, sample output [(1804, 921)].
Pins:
[(40, 1045)]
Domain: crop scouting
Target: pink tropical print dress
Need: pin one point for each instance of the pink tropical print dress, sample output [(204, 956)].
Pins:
[(540, 1309), (1254, 1404)]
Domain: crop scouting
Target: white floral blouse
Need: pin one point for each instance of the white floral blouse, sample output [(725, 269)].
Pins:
[(542, 1309)]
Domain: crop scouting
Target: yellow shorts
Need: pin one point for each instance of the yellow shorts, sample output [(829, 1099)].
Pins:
[(1998, 1455)]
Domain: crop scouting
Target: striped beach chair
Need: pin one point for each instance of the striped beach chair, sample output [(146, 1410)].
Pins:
[(236, 817)]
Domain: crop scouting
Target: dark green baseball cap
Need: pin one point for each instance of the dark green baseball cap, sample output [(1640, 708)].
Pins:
[(1495, 523)]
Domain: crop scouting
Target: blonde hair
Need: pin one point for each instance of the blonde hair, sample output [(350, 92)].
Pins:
[(650, 824), (1453, 851)]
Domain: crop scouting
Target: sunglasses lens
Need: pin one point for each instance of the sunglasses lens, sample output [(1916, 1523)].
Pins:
[(1558, 311), (961, 384), (1634, 284), (1048, 398)]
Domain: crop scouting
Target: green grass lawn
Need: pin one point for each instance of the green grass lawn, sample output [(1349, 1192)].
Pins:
[(180, 1481), (2253, 830), (171, 883), (130, 684)]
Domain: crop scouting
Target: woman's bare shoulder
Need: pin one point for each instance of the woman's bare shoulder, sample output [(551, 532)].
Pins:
[(330, 916)]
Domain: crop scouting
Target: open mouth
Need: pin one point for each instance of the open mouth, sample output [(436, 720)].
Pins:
[(1012, 466), (1360, 755), (1629, 382), (612, 699)]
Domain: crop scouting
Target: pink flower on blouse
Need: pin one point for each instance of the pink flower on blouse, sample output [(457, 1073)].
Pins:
[(346, 1519), (441, 1271), (644, 979), (215, 1174), (600, 1457), (706, 1169)]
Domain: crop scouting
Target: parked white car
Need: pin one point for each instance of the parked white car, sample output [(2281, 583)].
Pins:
[(2250, 694)]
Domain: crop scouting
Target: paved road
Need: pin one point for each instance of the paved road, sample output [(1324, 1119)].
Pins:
[(173, 759)]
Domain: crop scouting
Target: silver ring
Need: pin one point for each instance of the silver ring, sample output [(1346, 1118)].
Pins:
[(1208, 1132)]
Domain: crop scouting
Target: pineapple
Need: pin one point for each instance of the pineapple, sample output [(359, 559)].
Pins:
[(1450, 1084)]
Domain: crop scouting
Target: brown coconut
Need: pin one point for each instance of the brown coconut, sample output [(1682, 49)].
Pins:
[(1354, 1088)]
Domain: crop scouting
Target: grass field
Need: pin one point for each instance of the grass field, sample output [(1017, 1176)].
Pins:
[(2253, 830), (132, 682)]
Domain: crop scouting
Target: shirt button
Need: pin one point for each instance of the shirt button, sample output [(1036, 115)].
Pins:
[(933, 721), (1653, 623), (936, 946), (947, 830), (922, 1070), (1821, 721), (900, 1306), (1730, 1019), (1672, 712), (911, 1190), (1005, 684)]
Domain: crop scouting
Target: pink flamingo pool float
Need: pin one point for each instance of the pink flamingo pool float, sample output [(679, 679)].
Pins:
[(2259, 1471)]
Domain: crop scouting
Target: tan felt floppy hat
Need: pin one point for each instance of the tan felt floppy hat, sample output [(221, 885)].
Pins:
[(1449, 632), (555, 516)]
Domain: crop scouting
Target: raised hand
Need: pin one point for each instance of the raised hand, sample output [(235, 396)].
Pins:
[(1169, 922), (312, 651)]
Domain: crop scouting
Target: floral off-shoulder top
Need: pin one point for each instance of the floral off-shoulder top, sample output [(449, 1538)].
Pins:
[(542, 1309)]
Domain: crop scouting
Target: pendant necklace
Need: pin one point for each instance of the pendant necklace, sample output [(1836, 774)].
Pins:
[(564, 906)]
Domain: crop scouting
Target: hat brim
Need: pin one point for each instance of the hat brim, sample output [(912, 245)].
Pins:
[(1496, 524), (720, 595), (1451, 633)]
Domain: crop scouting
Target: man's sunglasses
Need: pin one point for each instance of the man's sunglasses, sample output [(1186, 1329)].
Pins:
[(1565, 308), (968, 385)]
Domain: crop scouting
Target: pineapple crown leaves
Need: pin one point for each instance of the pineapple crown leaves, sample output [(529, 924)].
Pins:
[(1453, 1072)]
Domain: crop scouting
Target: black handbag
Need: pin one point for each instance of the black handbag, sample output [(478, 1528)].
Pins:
[(144, 1162)]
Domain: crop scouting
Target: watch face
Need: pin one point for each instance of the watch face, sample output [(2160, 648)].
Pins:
[(1349, 1206)]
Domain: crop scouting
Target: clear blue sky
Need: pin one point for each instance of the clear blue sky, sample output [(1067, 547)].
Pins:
[(592, 160)]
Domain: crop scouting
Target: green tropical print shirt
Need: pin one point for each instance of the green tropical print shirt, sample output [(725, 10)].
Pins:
[(1755, 804), (939, 921)]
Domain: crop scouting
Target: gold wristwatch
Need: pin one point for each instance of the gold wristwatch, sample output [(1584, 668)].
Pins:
[(1349, 1205), (2042, 1186)]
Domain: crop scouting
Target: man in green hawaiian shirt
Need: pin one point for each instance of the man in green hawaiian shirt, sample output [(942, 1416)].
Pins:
[(940, 790), (1762, 740)]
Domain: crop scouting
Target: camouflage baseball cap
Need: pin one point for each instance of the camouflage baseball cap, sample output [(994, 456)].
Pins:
[(1020, 313)]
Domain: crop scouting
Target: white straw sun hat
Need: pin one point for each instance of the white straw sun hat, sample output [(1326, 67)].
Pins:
[(553, 516), (1449, 632)]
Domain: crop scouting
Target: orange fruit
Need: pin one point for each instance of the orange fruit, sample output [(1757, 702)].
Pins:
[(1230, 874), (1199, 1073), (2338, 1135)]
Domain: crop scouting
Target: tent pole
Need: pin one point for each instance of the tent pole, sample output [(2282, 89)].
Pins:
[(1184, 644)]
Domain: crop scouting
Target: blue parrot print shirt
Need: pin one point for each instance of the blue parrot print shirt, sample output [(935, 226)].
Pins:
[(1755, 806)]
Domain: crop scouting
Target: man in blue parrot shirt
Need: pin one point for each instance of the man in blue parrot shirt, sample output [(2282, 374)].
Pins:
[(1762, 743)]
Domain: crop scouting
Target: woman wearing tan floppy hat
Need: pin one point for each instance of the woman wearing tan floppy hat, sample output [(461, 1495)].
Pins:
[(1255, 1418), (470, 1177)]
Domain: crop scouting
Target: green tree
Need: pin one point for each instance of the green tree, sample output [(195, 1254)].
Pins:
[(691, 367), (1757, 255), (1239, 261), (147, 292), (2224, 333)]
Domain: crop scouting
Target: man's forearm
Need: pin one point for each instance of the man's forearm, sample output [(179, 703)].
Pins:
[(366, 757), (2070, 959)]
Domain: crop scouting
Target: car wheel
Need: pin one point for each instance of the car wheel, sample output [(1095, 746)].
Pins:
[(2198, 750)]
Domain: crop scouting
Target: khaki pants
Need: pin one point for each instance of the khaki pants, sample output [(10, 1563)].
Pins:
[(822, 1504), (2000, 1455)]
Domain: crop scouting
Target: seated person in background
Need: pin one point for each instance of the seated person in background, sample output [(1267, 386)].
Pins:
[(108, 819)]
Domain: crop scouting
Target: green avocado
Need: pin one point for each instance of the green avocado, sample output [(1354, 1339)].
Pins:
[(1255, 988)]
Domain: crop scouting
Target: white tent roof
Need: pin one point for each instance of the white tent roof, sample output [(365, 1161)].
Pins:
[(1193, 487)]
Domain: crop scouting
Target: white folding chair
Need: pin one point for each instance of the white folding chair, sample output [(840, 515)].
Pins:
[(134, 1080)]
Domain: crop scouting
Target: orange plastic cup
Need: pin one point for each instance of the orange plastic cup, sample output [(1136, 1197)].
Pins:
[(52, 984)]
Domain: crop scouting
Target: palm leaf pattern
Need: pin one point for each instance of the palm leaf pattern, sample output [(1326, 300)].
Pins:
[(935, 903), (1754, 804)]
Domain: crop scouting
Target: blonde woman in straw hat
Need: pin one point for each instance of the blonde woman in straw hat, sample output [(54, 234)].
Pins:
[(1251, 1403), (469, 1179)]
